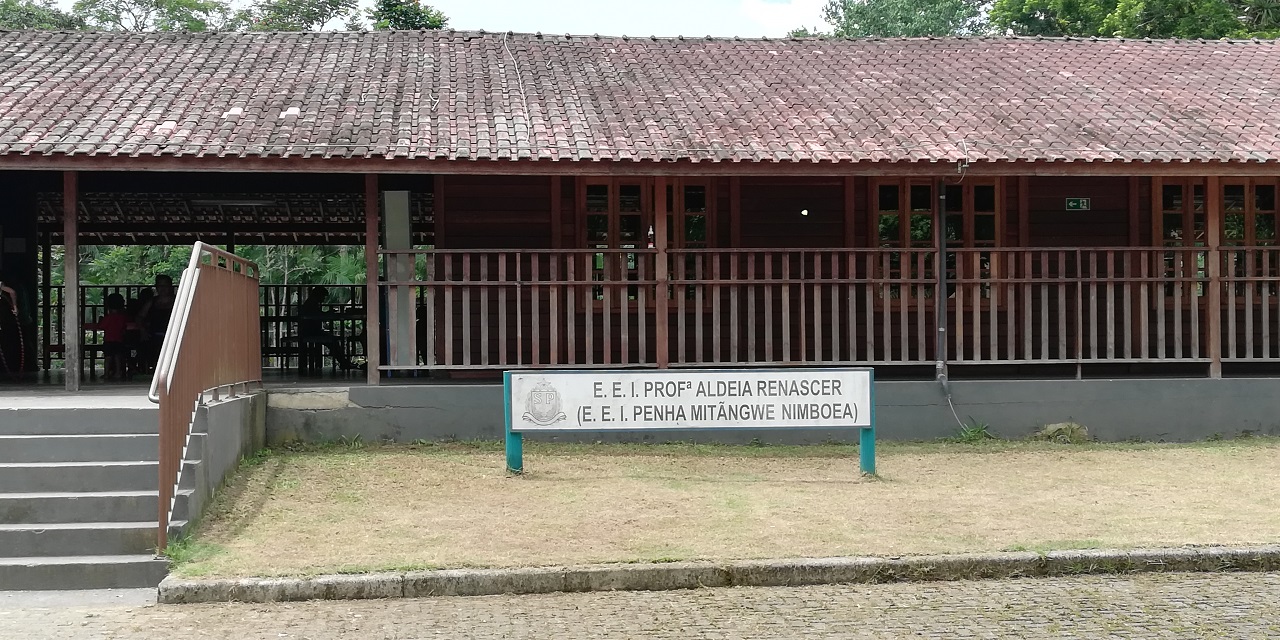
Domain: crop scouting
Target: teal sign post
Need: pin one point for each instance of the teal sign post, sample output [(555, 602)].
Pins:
[(689, 400)]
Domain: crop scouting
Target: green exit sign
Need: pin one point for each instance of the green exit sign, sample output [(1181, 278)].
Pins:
[(1077, 204)]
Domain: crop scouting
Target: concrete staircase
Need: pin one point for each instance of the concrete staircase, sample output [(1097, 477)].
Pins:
[(78, 496)]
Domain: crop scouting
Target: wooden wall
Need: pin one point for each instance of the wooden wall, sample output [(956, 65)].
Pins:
[(541, 212), (770, 212), (495, 212), (1105, 225)]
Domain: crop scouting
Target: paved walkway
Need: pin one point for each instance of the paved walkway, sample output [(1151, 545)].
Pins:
[(1148, 606)]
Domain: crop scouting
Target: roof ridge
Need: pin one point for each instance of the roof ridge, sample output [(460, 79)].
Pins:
[(473, 33)]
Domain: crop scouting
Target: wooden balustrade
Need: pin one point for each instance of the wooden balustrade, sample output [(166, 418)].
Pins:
[(490, 309), (1250, 303)]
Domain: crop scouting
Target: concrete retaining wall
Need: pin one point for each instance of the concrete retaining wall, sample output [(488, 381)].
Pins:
[(232, 429), (1174, 409)]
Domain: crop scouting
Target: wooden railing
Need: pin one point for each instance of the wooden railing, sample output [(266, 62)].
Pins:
[(487, 309), (212, 346), (1250, 303)]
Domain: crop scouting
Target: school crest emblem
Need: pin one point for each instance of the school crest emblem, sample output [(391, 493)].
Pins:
[(544, 405)]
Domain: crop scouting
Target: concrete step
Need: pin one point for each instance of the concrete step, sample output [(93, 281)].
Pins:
[(100, 506), (77, 539), (109, 447), (128, 447), (81, 572), (43, 477), (143, 419), (85, 477)]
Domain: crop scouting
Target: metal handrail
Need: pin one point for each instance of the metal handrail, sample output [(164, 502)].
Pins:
[(195, 358)]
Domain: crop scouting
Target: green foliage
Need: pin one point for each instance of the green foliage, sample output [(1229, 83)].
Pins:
[(154, 15), (1051, 17), (805, 32), (973, 432), (36, 14), (1172, 18), (903, 18), (1138, 18), (294, 15), (406, 14), (1063, 433), (137, 264)]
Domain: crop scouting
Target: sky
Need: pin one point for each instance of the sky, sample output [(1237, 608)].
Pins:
[(747, 18)]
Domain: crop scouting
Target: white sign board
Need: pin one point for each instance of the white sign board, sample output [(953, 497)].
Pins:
[(689, 399)]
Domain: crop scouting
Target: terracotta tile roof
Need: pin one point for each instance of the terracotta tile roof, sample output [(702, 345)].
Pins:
[(474, 96)]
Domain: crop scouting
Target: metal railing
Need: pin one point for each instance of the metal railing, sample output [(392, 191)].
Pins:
[(212, 345)]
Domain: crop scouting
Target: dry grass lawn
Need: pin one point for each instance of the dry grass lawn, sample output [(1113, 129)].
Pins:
[(345, 510)]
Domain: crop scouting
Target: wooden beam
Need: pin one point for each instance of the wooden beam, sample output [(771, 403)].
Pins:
[(557, 232), (1024, 211), (1213, 239), (1135, 222), (72, 334), (850, 213), (671, 168), (735, 212), (372, 301), (438, 213), (661, 318), (1157, 211)]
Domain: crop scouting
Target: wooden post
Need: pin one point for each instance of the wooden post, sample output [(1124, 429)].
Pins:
[(557, 231), (1213, 227), (372, 302), (850, 213), (1024, 212), (70, 283), (46, 306), (1135, 226), (940, 271), (662, 318), (735, 212)]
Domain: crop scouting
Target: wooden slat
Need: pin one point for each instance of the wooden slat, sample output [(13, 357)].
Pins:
[(624, 317), (786, 308), (1213, 299), (751, 310), (553, 305), (535, 310), (448, 311), (1128, 304), (768, 309), (642, 309), (699, 274), (851, 262), (503, 318), (1062, 306), (466, 311)]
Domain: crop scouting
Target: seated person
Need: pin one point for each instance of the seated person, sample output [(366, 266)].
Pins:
[(311, 327)]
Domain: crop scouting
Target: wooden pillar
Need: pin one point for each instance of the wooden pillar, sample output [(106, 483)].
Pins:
[(46, 305), (1024, 212), (557, 231), (661, 317), (850, 213), (735, 212), (72, 335), (372, 306), (1213, 238), (1135, 222)]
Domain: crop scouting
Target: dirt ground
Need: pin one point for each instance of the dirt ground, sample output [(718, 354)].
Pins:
[(350, 509)]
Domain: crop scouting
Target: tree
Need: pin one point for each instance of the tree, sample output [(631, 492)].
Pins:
[(903, 18), (1051, 17), (36, 14), (1138, 18), (406, 14), (805, 32), (1173, 18), (154, 15), (295, 15)]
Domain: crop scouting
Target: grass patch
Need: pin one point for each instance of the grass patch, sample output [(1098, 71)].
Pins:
[(339, 508)]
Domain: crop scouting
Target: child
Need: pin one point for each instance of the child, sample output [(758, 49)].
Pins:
[(114, 325)]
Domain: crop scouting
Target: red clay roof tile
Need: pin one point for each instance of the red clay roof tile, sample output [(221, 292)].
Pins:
[(471, 96)]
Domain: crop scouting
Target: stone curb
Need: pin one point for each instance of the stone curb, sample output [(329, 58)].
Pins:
[(691, 575)]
